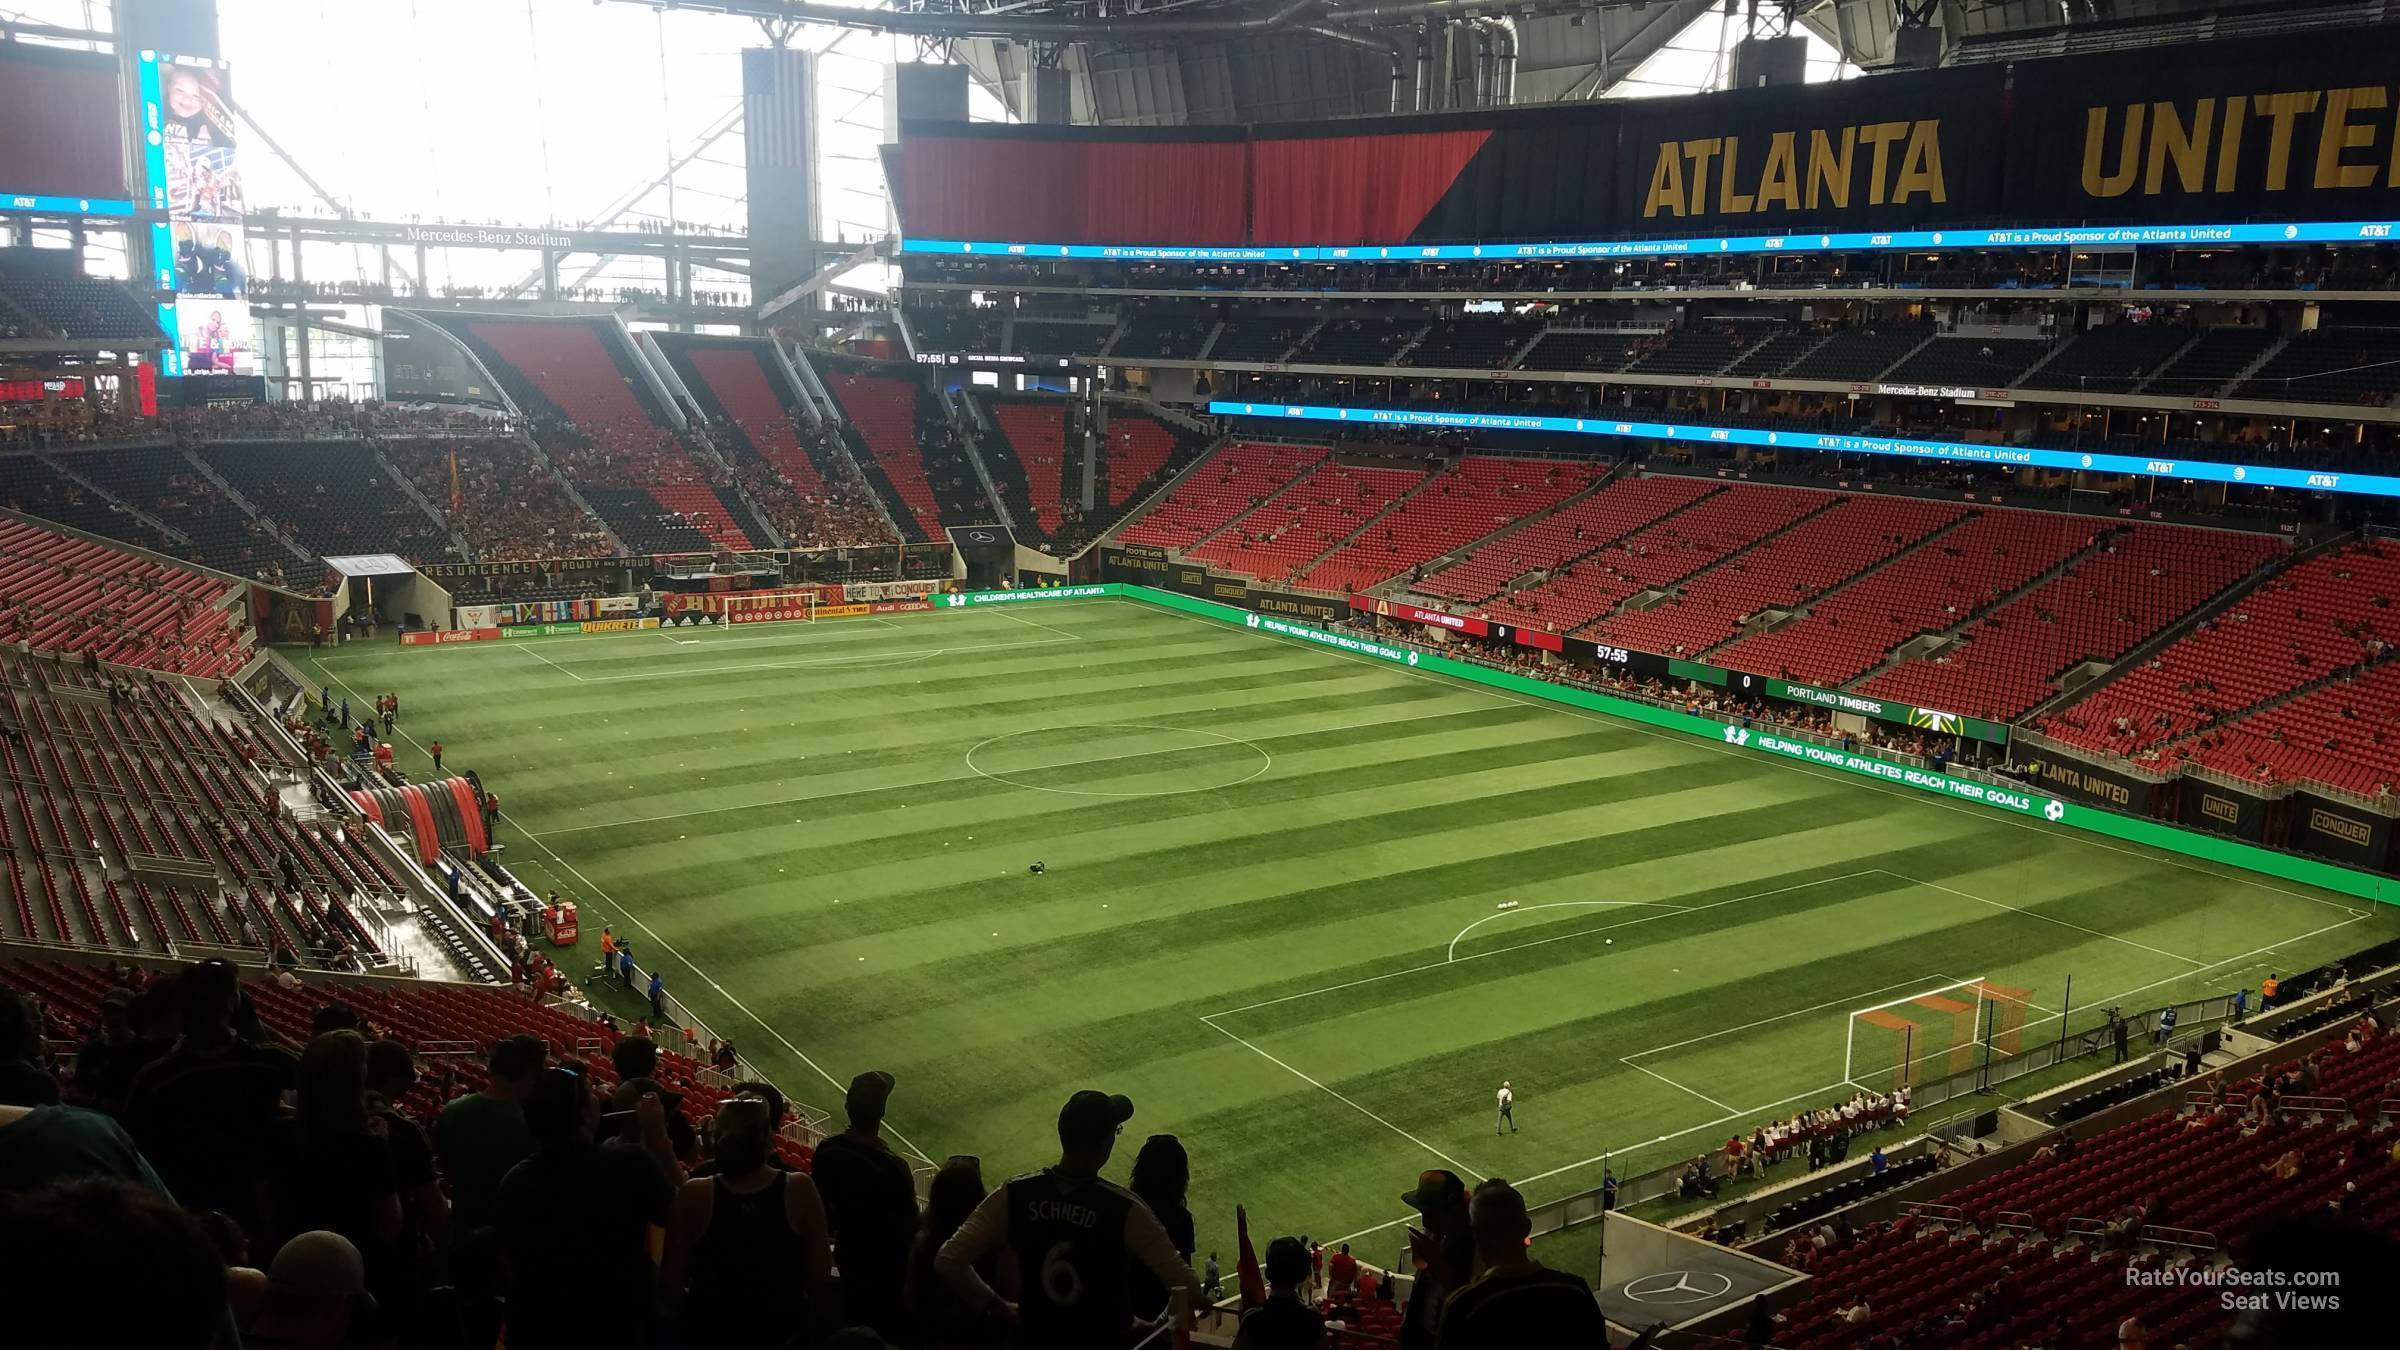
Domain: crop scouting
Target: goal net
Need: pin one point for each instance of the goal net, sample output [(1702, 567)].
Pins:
[(1933, 1034)]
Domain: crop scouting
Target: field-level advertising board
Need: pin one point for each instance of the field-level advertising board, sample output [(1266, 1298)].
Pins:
[(1932, 1034)]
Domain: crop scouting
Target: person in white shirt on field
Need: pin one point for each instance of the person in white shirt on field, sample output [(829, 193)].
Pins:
[(1508, 1110)]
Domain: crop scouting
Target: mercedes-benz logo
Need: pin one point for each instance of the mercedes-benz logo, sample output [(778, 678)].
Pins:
[(980, 536), (1678, 1286)]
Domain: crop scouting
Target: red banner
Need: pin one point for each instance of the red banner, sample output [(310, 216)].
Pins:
[(1535, 637), (783, 613), (435, 637), (1393, 609)]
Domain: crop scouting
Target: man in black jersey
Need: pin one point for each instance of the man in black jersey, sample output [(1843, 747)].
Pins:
[(1075, 1236)]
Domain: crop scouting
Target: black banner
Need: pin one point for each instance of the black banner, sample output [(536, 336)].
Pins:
[(1233, 591), (1190, 579), (2079, 779), (2342, 831), (1894, 150), (2222, 809), (1640, 665), (555, 567), (1134, 564), (1293, 605), (2294, 128)]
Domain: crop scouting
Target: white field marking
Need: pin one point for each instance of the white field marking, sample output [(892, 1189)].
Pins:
[(1005, 614), (705, 978), (873, 659), (1559, 904), (1783, 1016), (1536, 942), (1756, 1111), (806, 797), (1795, 766), (2035, 914), (550, 663), (670, 949), (1222, 739), (1602, 1157), (1462, 1168), (1675, 1085)]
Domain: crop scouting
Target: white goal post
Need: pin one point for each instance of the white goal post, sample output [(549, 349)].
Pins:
[(1933, 1033)]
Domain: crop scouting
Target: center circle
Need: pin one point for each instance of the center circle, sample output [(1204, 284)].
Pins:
[(1118, 759)]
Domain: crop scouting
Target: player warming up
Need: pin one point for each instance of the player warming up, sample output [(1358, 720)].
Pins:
[(1508, 1110)]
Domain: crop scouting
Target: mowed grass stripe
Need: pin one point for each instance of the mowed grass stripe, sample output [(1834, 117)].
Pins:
[(1362, 853)]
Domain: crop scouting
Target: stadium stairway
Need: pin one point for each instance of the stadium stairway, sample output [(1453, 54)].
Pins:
[(1575, 529), (1308, 519), (1477, 497), (1145, 451)]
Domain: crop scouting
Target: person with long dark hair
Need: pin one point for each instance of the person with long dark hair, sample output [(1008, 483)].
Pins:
[(747, 1257), (330, 1164), (1162, 1173), (944, 1320)]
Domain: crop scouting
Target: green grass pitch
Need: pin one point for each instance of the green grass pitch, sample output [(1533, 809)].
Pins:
[(1308, 910)]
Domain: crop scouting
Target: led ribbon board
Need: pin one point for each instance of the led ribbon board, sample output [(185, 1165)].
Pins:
[(2008, 456), (2087, 236)]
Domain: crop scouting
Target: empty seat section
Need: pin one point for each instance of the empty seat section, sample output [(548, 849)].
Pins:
[(1306, 519), (1235, 479), (1665, 553), (2328, 614), (1939, 586), (1619, 509), (1474, 497), (2097, 610), (1787, 571)]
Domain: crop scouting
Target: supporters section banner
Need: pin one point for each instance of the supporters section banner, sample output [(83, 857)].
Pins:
[(2083, 780), (2221, 808), (1294, 605), (1880, 710), (1142, 566), (2215, 142), (1895, 150), (2345, 831), (2305, 127), (1407, 613), (888, 590)]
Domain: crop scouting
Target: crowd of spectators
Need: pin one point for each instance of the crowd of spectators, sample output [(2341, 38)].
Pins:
[(508, 504)]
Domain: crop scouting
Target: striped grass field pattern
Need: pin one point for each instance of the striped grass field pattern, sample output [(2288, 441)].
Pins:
[(1307, 910)]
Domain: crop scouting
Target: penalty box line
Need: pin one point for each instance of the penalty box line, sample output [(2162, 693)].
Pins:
[(1628, 1060)]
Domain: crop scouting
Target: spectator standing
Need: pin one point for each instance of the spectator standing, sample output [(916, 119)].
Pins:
[(1283, 1322), (1345, 1269), (117, 1261), (2166, 1026), (391, 1075), (1073, 1234), (202, 1112), (1162, 1173), (747, 1257), (658, 996), (871, 1201), (1516, 1301), (1442, 1252), (944, 1320), (326, 1168), (575, 1217), (482, 1135), (23, 1080)]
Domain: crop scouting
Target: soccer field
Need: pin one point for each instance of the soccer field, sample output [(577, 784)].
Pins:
[(1307, 910)]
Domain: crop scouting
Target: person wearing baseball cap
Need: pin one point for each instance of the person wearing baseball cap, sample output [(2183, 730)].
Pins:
[(871, 1204), (1443, 1253), (1074, 1234)]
